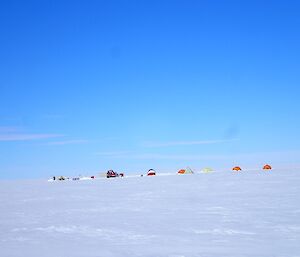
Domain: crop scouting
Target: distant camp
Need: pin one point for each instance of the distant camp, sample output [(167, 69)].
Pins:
[(151, 172)]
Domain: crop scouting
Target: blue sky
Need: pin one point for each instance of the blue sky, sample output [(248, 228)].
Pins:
[(87, 86)]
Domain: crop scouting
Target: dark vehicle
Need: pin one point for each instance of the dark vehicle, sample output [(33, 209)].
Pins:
[(111, 174)]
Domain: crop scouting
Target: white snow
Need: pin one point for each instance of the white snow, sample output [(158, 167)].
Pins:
[(222, 214)]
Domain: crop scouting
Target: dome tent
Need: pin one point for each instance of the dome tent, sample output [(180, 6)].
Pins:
[(237, 168), (182, 171), (207, 170), (188, 170), (267, 167), (151, 172)]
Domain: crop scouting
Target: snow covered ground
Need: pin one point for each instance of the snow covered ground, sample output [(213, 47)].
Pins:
[(220, 214)]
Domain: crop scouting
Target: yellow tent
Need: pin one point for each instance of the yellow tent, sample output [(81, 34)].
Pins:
[(207, 170)]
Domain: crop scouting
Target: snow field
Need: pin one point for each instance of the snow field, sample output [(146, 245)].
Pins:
[(222, 214)]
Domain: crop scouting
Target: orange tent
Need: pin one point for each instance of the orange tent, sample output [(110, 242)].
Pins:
[(267, 167), (188, 170), (236, 168), (181, 172)]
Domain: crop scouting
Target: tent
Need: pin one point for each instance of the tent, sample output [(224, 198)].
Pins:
[(151, 172), (267, 167), (181, 171), (237, 168), (186, 171), (207, 170)]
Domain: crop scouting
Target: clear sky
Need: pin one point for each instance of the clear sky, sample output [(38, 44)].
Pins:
[(88, 86)]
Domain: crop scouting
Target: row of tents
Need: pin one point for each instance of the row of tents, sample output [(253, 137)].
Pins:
[(265, 167), (208, 170), (188, 170), (152, 172)]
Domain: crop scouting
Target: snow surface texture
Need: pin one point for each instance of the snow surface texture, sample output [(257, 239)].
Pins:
[(224, 214)]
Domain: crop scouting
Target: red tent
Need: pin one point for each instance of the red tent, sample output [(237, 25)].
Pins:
[(181, 171), (151, 172), (267, 167)]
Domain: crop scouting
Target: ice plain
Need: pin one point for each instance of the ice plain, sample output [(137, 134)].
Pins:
[(221, 214)]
